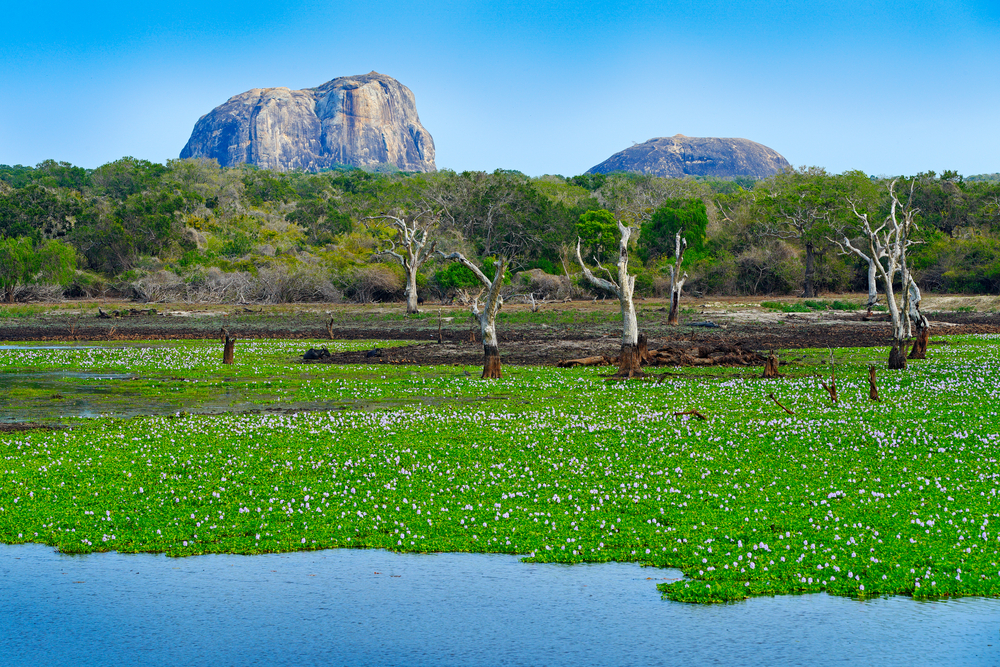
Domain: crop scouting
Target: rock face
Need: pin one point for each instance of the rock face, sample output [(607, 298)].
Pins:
[(679, 156), (365, 121)]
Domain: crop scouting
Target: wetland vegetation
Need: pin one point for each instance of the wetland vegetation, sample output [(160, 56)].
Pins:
[(856, 498)]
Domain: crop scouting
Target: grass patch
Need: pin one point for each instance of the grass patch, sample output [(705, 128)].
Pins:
[(858, 499), (786, 307), (810, 305)]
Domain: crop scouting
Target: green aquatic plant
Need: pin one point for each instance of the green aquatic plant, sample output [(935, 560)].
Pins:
[(856, 499)]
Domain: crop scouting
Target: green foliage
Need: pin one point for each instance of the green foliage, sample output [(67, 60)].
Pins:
[(545, 265), (598, 233), (125, 177), (453, 276), (56, 263), (321, 218), (238, 246), (659, 233), (266, 186), (809, 305), (970, 265), (22, 262), (752, 502), (786, 307), (17, 263)]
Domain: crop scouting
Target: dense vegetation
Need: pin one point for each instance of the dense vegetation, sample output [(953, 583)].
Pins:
[(189, 230), (857, 499)]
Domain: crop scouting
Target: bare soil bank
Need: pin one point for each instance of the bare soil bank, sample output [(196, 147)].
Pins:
[(558, 331)]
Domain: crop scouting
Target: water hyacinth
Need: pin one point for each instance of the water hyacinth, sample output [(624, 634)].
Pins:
[(857, 499)]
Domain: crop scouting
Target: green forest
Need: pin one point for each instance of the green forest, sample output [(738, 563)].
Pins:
[(189, 230)]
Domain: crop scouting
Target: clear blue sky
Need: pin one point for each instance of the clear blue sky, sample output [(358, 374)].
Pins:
[(539, 86)]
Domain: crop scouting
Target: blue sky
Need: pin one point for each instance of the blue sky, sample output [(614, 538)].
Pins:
[(543, 87)]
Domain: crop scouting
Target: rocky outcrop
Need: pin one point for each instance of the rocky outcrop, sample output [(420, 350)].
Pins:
[(679, 156), (366, 121)]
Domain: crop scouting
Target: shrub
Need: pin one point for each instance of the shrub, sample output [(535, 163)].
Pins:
[(374, 283)]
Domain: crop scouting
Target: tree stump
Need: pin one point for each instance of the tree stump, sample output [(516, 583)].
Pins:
[(492, 369), (872, 388), (919, 349), (771, 367), (897, 356), (643, 349), (629, 362), (228, 348)]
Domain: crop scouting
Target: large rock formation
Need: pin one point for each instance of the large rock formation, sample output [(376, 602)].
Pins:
[(679, 156), (366, 121)]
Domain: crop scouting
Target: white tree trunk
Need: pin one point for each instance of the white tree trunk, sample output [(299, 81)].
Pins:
[(411, 289), (872, 284), (676, 279)]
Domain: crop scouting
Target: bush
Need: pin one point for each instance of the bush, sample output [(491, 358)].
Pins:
[(282, 284), (544, 286), (769, 269), (374, 283)]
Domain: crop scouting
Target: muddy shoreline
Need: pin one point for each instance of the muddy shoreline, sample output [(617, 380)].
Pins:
[(558, 332)]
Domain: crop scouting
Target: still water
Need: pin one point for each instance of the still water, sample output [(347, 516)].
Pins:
[(370, 607)]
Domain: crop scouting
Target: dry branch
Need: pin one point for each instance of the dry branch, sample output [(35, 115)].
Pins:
[(771, 396)]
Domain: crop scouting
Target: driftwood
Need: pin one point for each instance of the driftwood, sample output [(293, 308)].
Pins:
[(679, 353), (771, 396), (586, 361), (693, 413), (832, 387)]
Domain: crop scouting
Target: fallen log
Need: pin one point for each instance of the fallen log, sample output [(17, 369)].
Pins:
[(585, 361)]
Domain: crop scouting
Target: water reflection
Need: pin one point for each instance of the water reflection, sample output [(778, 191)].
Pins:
[(359, 607)]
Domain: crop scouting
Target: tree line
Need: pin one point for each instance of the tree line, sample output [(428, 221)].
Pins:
[(189, 229)]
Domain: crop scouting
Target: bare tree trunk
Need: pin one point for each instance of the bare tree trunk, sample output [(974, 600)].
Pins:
[(411, 290), (228, 348), (629, 361), (676, 279), (897, 355), (492, 368), (919, 350), (675, 299), (329, 328), (872, 286), (491, 350), (872, 387), (808, 291)]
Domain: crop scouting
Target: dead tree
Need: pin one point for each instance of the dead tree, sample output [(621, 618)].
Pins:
[(412, 232), (676, 279), (919, 322), (629, 361), (846, 247), (228, 347), (487, 317), (832, 387), (893, 236), (872, 387)]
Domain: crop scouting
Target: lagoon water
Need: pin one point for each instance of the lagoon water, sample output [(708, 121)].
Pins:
[(371, 607)]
